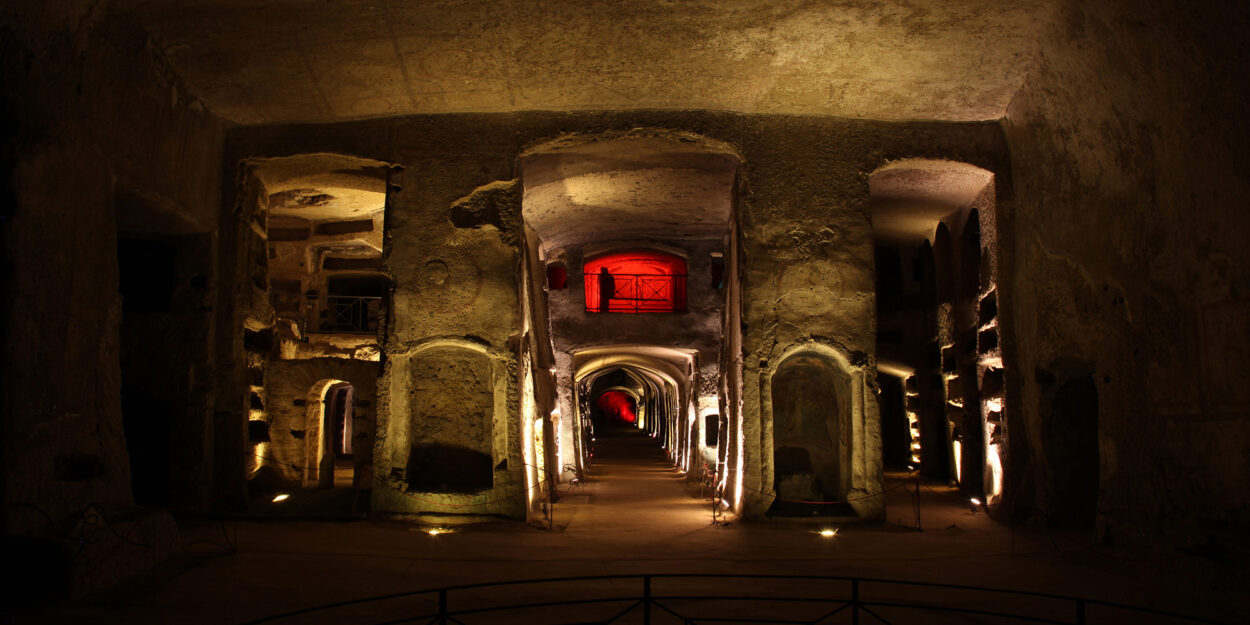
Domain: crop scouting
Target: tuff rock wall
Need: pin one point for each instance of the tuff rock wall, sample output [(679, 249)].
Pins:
[(1127, 269)]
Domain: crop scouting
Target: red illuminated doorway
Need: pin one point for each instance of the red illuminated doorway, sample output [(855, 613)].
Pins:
[(617, 408), (637, 281)]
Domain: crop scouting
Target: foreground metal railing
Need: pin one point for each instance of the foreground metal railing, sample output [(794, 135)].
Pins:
[(685, 599)]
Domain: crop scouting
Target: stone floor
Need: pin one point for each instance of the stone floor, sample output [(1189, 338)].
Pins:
[(636, 516)]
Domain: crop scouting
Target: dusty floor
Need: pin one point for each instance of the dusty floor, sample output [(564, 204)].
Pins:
[(635, 517)]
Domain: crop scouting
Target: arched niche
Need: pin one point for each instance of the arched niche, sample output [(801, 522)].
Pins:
[(451, 403), (812, 408), (1069, 398), (969, 281)]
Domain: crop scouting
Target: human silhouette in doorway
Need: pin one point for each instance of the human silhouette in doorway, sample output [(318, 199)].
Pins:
[(607, 289)]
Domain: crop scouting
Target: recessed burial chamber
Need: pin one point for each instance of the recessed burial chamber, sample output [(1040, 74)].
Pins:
[(451, 429), (811, 434), (635, 281)]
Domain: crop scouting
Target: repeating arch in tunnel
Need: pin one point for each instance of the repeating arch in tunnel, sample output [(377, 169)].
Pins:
[(655, 384)]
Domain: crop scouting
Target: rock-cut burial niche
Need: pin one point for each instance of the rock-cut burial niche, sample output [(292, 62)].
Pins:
[(452, 423), (811, 434), (1070, 427)]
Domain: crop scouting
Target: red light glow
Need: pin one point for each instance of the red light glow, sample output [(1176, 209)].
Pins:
[(617, 407), (640, 281)]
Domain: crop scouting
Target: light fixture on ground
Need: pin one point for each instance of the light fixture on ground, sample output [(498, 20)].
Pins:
[(281, 497)]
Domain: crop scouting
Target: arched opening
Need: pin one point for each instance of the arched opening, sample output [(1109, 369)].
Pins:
[(450, 423), (613, 224), (897, 421), (616, 407), (330, 453), (625, 400), (939, 319), (163, 269), (811, 436), (310, 241)]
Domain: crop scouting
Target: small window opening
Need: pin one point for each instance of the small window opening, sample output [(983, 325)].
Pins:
[(717, 270), (711, 430), (636, 282), (557, 277)]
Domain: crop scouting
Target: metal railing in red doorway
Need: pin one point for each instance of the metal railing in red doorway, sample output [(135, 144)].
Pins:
[(635, 293)]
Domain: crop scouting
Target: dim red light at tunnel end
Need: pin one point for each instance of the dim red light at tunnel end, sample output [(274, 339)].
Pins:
[(617, 407)]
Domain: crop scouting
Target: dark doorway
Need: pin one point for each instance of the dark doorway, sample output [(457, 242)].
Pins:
[(338, 467), (152, 342), (895, 428), (1071, 431)]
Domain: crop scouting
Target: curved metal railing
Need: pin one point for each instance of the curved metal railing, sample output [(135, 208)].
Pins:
[(698, 599)]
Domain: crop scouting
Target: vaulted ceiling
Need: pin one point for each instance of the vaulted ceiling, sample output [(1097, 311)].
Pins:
[(277, 61)]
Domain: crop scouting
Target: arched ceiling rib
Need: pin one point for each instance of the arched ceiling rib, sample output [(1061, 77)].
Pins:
[(284, 61), (671, 365), (910, 197)]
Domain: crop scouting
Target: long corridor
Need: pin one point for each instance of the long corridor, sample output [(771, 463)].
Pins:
[(632, 491)]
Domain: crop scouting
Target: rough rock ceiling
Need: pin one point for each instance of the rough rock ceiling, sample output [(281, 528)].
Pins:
[(316, 60), (319, 187), (628, 188)]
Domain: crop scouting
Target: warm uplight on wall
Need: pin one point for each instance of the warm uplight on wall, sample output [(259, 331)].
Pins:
[(529, 446), (259, 452), (957, 448), (996, 472)]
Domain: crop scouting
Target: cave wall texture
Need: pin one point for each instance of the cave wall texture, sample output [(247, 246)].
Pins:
[(1121, 186), (100, 135), (1127, 259)]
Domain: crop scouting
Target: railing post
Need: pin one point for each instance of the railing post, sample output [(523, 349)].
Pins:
[(1080, 612), (646, 600), (442, 607), (855, 602)]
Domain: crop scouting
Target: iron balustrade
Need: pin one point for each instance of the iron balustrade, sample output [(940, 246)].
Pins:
[(352, 313), (674, 598), (639, 293)]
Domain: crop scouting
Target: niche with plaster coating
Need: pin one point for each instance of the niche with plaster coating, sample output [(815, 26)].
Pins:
[(811, 429)]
